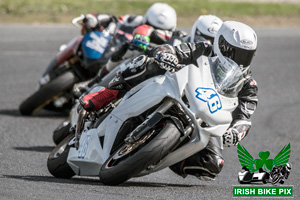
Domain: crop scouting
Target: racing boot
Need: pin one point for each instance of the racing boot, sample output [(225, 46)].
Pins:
[(205, 165), (97, 100)]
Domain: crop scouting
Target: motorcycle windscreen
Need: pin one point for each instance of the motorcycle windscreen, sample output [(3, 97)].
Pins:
[(228, 77), (94, 44)]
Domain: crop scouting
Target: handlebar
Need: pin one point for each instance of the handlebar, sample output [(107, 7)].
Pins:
[(149, 48)]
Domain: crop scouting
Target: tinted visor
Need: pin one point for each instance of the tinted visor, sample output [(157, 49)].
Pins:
[(242, 57), (200, 37)]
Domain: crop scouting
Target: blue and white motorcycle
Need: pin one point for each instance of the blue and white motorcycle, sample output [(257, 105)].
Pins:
[(76, 62), (158, 123)]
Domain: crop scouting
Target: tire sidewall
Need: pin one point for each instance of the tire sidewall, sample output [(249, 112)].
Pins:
[(58, 166), (152, 152)]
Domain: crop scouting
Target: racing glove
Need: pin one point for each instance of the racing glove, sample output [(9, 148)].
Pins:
[(167, 61), (232, 137)]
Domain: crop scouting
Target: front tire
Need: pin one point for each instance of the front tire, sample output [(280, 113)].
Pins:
[(129, 160), (57, 160), (47, 93), (61, 132)]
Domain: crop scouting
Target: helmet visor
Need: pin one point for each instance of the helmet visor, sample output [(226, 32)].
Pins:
[(200, 37), (242, 57)]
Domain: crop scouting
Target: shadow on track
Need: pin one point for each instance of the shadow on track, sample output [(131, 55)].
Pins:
[(47, 149), (42, 113), (52, 179), (96, 181)]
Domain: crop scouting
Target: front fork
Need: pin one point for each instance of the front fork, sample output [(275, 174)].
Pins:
[(79, 125), (153, 119)]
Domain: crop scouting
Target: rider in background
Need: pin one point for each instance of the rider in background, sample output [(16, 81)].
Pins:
[(156, 27), (204, 29), (234, 40), (132, 37), (199, 33)]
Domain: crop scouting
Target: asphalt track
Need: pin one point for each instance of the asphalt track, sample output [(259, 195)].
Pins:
[(25, 142)]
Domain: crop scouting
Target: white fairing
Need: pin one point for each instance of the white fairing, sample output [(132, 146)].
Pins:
[(206, 105), (201, 86)]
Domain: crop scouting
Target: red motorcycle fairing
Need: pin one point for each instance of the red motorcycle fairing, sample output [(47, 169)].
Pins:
[(69, 51)]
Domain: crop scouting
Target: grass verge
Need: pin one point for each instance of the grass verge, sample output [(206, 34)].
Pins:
[(62, 11)]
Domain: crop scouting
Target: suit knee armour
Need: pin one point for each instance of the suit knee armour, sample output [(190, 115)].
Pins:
[(206, 163)]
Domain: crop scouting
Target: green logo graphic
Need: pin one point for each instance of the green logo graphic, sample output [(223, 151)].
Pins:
[(263, 162)]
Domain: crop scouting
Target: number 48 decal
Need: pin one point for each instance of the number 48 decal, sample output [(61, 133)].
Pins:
[(209, 96)]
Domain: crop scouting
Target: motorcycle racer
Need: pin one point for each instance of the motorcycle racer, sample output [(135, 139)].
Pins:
[(204, 29), (156, 27), (234, 40)]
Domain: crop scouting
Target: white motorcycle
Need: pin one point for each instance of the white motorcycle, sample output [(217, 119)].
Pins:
[(158, 123)]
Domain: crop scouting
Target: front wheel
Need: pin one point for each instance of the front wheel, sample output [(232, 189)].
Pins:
[(130, 159), (48, 93), (61, 132), (57, 160)]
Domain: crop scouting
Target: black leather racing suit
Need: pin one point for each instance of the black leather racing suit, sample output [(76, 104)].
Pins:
[(207, 163)]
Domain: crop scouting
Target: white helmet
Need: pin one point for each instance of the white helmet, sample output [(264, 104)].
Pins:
[(205, 28), (237, 41), (161, 16)]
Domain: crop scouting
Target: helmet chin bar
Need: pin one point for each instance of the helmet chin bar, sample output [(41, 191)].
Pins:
[(242, 57)]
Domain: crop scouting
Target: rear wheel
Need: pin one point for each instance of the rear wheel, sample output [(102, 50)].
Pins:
[(57, 160), (47, 93), (130, 159)]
